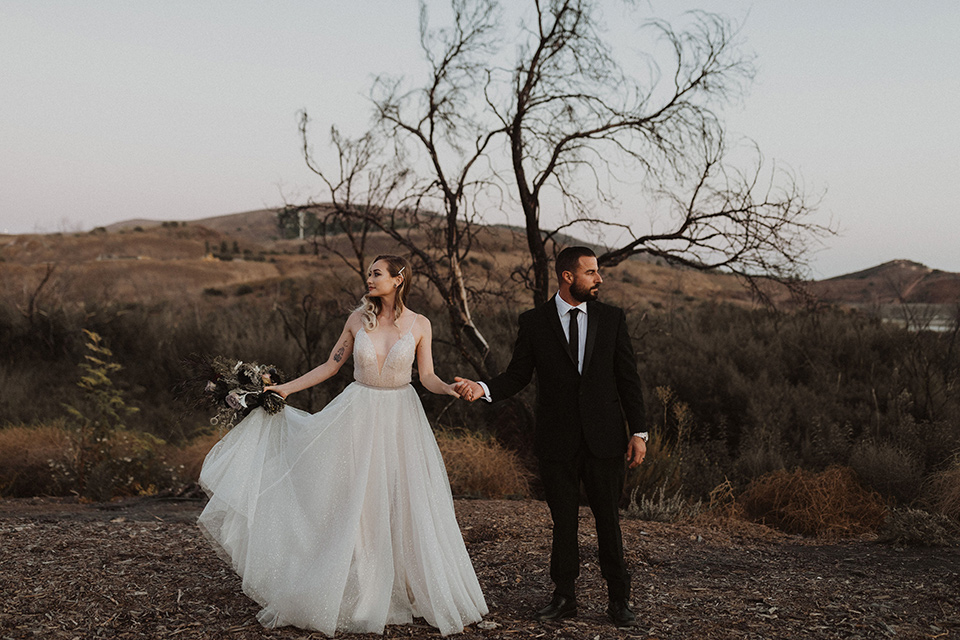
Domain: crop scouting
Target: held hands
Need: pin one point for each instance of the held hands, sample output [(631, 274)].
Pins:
[(451, 390), (471, 391), (468, 389)]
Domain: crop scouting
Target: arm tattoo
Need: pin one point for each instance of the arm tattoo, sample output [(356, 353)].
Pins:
[(338, 356)]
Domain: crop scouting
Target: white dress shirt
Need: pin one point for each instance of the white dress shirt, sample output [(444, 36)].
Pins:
[(563, 308)]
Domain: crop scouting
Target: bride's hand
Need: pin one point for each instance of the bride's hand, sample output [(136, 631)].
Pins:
[(468, 389), (277, 389), (451, 391)]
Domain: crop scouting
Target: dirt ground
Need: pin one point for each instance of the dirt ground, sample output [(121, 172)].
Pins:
[(141, 569)]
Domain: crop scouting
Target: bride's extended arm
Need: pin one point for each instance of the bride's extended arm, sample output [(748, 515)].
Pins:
[(428, 378), (341, 351)]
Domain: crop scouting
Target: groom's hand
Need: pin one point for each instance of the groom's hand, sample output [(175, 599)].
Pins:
[(467, 389), (636, 451)]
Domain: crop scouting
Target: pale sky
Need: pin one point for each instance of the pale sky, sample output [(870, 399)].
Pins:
[(184, 109)]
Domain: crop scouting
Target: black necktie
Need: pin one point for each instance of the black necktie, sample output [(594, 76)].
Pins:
[(575, 336)]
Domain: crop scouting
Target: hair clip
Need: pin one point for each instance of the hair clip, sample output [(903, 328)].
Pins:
[(401, 271)]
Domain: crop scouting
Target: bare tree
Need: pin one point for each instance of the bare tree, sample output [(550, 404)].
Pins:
[(565, 118), (367, 186), (579, 124), (304, 320), (32, 310), (417, 165)]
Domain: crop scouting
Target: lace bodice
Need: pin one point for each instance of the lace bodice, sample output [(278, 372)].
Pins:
[(396, 366)]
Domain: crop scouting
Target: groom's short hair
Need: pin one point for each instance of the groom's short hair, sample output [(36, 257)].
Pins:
[(568, 259)]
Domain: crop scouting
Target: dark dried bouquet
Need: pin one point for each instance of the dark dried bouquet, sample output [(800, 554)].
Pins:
[(232, 387)]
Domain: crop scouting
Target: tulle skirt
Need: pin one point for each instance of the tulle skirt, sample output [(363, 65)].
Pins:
[(343, 519)]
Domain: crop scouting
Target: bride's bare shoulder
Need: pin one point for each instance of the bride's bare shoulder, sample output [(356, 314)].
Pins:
[(421, 323), (354, 322)]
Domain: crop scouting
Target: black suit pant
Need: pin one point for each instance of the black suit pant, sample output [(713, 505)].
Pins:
[(602, 480)]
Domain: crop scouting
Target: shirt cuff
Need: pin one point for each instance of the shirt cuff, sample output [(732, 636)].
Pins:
[(643, 435), (486, 391)]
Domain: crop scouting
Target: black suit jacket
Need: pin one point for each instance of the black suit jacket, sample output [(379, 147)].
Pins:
[(594, 407)]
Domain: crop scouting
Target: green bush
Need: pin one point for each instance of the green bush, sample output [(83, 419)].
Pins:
[(785, 390), (47, 460)]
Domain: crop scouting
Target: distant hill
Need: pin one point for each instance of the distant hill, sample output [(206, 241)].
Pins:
[(893, 268), (255, 233), (894, 282), (256, 226)]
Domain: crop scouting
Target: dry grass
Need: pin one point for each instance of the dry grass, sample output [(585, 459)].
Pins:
[(661, 507), (36, 460), (661, 470), (188, 459), (723, 506), (173, 263), (889, 469), (827, 504), (42, 461), (919, 528), (481, 467), (942, 491)]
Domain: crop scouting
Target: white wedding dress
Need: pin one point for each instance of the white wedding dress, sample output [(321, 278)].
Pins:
[(343, 519)]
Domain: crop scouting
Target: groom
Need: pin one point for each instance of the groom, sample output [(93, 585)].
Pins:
[(587, 384)]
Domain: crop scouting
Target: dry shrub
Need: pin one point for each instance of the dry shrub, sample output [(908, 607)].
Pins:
[(186, 461), (889, 469), (942, 491), (661, 508), (660, 470), (131, 464), (662, 466), (919, 528), (481, 467), (723, 507), (43, 460), (758, 458), (37, 460), (828, 504), (725, 517)]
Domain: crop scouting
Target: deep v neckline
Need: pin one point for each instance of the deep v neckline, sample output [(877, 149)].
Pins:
[(390, 350)]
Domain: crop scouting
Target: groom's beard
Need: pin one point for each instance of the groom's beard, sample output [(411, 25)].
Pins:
[(584, 294)]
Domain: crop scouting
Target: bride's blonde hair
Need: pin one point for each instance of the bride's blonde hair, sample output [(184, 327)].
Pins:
[(370, 308)]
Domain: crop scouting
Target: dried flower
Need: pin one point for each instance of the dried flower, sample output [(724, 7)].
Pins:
[(232, 387)]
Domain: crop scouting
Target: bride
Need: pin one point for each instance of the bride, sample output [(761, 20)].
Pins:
[(343, 519)]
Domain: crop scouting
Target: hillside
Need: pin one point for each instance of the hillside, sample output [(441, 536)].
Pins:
[(894, 282), (151, 260), (257, 226), (143, 261)]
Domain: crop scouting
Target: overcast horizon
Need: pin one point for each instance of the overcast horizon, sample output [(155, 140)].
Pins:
[(186, 110)]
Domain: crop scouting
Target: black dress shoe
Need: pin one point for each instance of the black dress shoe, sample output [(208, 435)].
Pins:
[(619, 612), (559, 607)]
